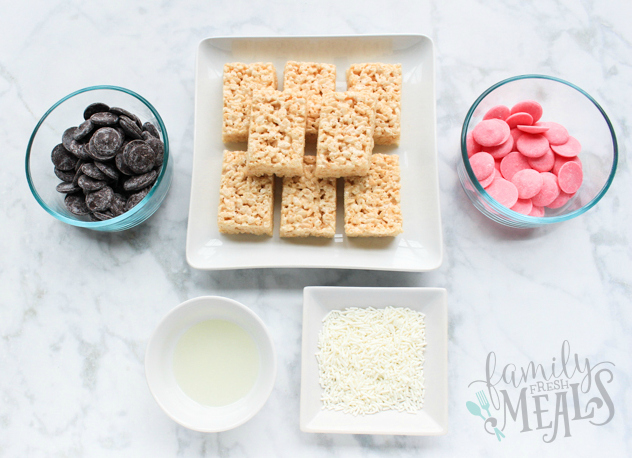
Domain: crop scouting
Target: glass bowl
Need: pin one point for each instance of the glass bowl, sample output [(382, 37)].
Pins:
[(68, 112), (565, 104)]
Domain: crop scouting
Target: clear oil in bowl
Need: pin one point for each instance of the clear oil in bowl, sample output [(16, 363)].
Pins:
[(216, 362)]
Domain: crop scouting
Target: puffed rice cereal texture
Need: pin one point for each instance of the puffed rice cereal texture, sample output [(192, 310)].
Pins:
[(308, 205), (276, 143), (372, 203), (385, 81), (246, 203), (239, 81), (312, 81), (345, 138)]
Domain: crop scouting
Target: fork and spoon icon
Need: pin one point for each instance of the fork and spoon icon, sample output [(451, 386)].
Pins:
[(476, 410)]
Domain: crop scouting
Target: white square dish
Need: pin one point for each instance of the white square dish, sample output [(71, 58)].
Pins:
[(432, 419), (419, 248)]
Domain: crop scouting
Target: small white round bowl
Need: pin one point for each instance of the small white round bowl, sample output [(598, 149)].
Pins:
[(159, 365)]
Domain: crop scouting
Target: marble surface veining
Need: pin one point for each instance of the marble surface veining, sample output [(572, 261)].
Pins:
[(77, 308)]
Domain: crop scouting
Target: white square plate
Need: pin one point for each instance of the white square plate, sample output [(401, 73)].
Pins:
[(432, 420), (418, 249)]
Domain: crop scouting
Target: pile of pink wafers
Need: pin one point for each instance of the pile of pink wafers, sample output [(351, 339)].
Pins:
[(523, 163)]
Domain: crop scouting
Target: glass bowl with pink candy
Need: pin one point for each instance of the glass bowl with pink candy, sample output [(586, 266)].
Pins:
[(536, 150)]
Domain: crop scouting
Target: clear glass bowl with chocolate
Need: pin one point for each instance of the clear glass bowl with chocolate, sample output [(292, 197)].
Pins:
[(99, 158)]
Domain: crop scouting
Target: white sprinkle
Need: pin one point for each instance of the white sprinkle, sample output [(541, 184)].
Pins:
[(372, 360)]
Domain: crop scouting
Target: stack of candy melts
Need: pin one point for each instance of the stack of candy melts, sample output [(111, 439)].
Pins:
[(523, 163)]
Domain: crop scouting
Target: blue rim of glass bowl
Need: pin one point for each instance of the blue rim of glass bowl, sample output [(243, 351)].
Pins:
[(126, 215), (519, 217)]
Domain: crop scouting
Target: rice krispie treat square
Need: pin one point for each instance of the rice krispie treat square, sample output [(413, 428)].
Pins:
[(372, 202), (276, 142), (246, 203), (385, 81), (239, 82), (308, 206), (311, 81), (345, 136)]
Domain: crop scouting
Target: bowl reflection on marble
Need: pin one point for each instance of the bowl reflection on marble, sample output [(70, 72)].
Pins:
[(563, 103), (163, 380), (48, 133)]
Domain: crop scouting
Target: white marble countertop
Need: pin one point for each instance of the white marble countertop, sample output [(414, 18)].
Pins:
[(77, 307)]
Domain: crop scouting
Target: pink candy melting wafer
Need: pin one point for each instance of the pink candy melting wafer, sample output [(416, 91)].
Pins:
[(516, 119), (557, 133), (500, 151), (504, 192), (524, 164), (570, 177), (487, 181), (533, 145), (512, 163), (523, 206), (491, 132), (549, 191), (528, 106), (543, 163), (561, 200), (571, 148), (532, 129), (528, 182), (471, 145), (498, 112), (482, 165), (515, 133), (560, 161)]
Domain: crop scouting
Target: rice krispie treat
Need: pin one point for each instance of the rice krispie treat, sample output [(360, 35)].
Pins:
[(308, 206), (385, 81), (345, 136), (276, 142), (246, 203), (311, 81), (239, 82), (372, 202)]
